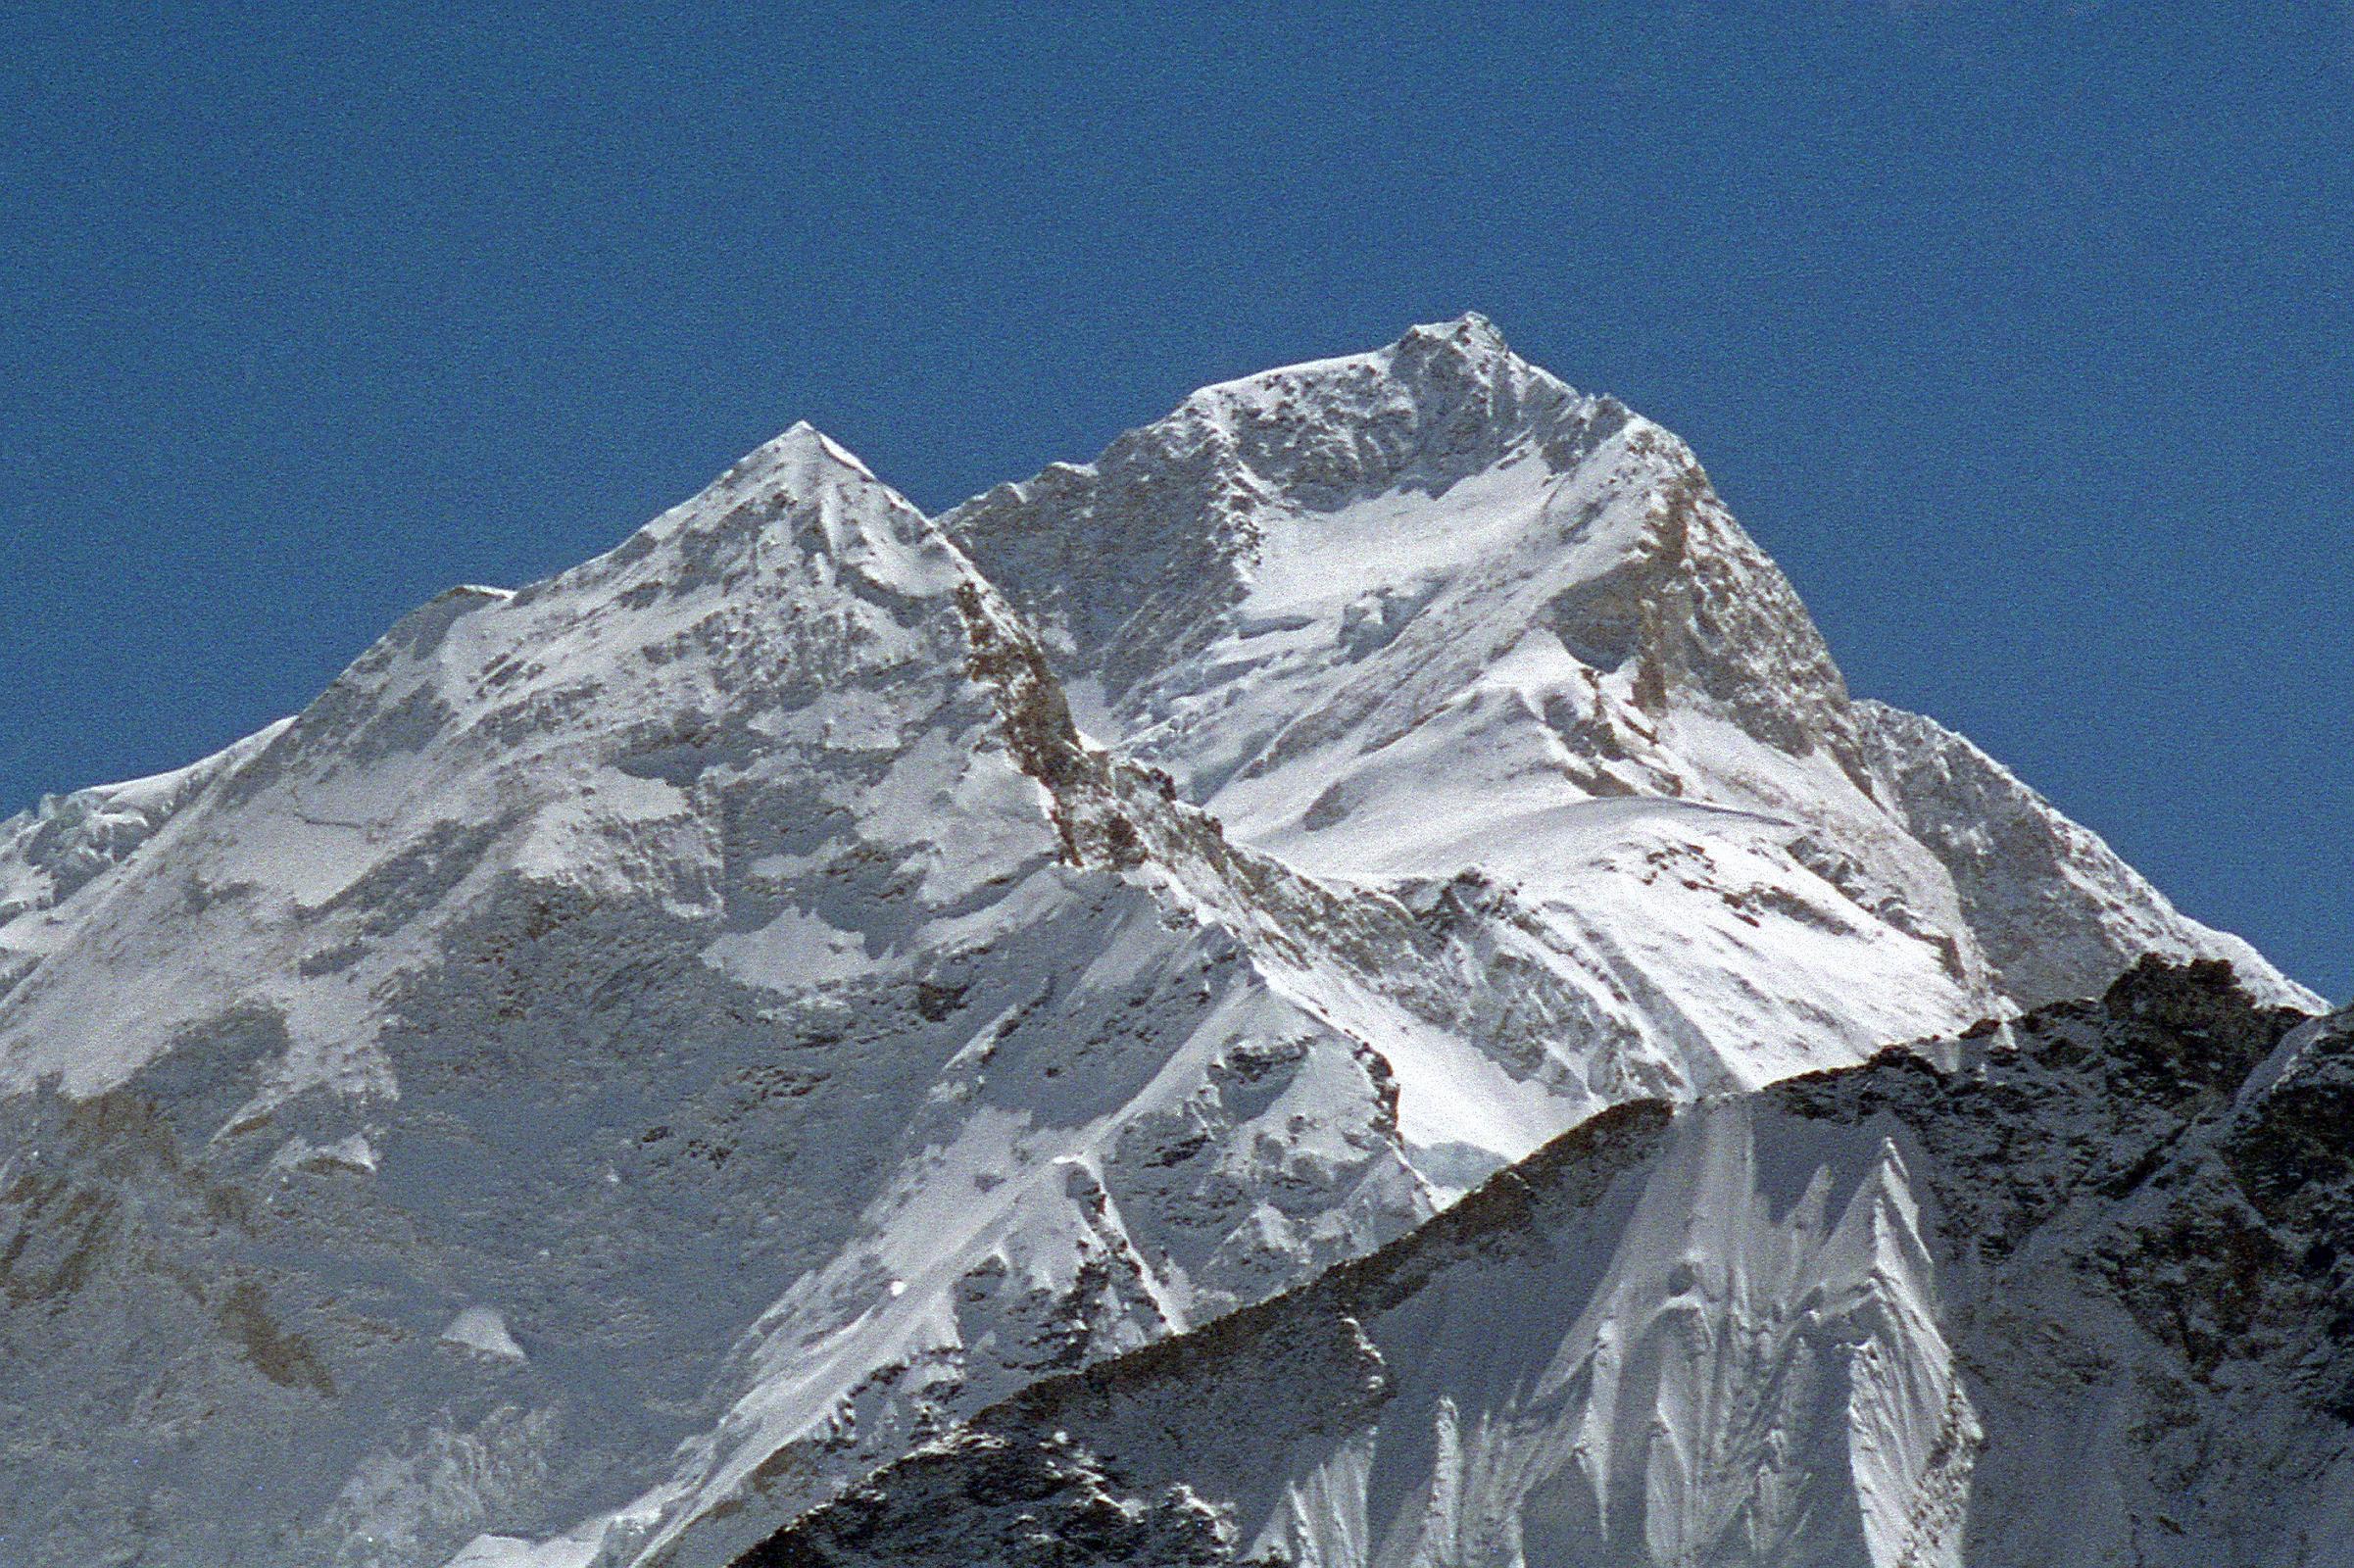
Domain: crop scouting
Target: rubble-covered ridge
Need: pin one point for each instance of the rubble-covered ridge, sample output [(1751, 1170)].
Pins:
[(2067, 1287)]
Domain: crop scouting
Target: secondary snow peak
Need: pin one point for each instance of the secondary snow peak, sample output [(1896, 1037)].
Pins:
[(801, 490), (805, 453)]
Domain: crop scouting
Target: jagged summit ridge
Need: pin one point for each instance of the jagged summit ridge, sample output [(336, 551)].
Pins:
[(1178, 506), (1444, 399), (1140, 562)]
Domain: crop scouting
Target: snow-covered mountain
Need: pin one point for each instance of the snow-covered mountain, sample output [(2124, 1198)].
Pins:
[(643, 1050)]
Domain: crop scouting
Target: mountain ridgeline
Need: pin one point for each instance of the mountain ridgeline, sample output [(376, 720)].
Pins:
[(1346, 984)]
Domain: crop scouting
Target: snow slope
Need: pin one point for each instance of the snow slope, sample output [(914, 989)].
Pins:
[(2048, 898), (642, 1050), (2067, 1291)]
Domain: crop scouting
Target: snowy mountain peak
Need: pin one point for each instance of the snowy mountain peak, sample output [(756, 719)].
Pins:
[(1425, 610), (490, 740), (803, 456), (1376, 536)]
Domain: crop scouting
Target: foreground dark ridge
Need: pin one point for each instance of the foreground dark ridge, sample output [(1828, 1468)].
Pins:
[(2081, 1284)]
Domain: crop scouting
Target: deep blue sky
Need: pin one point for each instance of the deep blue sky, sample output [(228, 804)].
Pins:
[(2021, 336)]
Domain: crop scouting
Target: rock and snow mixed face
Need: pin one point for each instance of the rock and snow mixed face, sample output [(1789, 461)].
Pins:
[(725, 982), (1428, 613)]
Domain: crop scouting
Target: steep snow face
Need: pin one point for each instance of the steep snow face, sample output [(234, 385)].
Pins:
[(2068, 1291), (1427, 610), (1670, 1341)]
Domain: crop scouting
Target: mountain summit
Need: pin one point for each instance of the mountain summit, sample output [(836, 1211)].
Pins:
[(1411, 611), (643, 1052)]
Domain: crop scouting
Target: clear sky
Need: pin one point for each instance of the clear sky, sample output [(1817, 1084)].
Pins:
[(2021, 335)]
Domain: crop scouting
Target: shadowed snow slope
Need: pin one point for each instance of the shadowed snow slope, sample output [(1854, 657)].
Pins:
[(642, 1051)]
